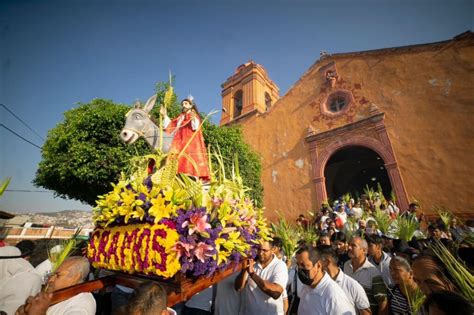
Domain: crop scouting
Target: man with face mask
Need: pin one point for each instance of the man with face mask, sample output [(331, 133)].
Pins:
[(320, 294), (262, 283)]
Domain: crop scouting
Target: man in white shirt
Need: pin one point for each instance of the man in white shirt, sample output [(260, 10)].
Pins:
[(17, 279), (354, 291), (360, 269), (72, 271), (262, 283), (379, 258), (320, 294)]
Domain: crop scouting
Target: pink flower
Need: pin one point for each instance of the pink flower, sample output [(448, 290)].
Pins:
[(197, 223), (183, 248), (203, 250)]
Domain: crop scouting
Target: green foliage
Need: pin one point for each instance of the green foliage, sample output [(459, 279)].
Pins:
[(229, 142), (288, 234), (369, 192), (405, 227), (308, 234), (462, 276), (163, 96), (347, 197), (383, 220), (445, 215), (4, 185), (415, 300), (83, 154)]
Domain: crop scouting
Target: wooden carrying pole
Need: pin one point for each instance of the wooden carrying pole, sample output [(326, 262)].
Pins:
[(179, 288)]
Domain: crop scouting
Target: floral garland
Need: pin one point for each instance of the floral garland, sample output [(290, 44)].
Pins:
[(144, 248)]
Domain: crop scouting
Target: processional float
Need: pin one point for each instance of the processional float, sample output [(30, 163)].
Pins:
[(184, 229)]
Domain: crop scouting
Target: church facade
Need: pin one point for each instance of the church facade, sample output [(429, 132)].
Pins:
[(399, 118)]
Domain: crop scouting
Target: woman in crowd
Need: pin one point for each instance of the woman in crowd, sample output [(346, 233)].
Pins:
[(404, 286), (431, 276)]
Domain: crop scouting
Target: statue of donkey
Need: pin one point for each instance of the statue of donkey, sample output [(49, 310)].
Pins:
[(139, 124)]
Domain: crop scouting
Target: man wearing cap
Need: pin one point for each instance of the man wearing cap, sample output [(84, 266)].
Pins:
[(17, 279)]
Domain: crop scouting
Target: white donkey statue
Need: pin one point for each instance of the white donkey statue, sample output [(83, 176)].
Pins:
[(139, 124)]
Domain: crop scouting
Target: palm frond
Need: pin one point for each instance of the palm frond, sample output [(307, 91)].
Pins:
[(382, 219), (405, 227), (461, 275), (192, 189), (415, 300), (445, 215), (288, 234), (308, 234), (4, 185)]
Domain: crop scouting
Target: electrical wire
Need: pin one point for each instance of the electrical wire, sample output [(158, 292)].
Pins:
[(21, 120), (29, 191), (16, 134)]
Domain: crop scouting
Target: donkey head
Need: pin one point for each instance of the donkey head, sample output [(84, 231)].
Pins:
[(138, 121)]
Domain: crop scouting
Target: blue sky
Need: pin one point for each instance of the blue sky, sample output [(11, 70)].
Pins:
[(54, 54)]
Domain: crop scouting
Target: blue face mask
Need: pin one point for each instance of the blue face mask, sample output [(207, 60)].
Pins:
[(303, 275)]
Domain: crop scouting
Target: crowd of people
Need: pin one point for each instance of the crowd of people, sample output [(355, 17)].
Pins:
[(362, 272)]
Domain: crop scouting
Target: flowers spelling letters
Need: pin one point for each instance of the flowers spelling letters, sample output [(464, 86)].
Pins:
[(142, 248)]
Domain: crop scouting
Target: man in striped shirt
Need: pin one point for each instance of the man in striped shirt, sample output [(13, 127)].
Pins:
[(360, 269)]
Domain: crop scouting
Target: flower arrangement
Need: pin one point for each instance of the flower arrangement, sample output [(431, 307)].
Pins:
[(164, 223)]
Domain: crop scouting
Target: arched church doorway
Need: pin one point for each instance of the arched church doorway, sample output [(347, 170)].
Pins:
[(351, 168)]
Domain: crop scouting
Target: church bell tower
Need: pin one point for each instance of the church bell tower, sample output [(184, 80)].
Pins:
[(248, 91)]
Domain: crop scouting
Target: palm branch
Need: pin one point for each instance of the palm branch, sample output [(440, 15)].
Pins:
[(456, 268), (4, 185), (308, 234), (405, 227), (415, 300), (445, 215), (383, 220), (288, 234)]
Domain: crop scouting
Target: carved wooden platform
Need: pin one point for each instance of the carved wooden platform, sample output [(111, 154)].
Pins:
[(179, 288)]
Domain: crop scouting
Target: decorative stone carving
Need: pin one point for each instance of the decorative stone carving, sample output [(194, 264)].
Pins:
[(329, 74)]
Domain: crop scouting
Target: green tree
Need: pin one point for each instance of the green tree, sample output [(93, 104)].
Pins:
[(229, 141), (84, 154)]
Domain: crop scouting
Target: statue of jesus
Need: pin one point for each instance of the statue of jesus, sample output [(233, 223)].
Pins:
[(186, 126)]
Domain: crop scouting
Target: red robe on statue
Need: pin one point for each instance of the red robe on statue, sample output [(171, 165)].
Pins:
[(185, 126)]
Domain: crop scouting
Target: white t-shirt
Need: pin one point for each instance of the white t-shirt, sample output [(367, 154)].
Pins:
[(254, 300), (357, 212), (354, 291), (81, 304), (15, 290), (227, 298), (327, 298), (201, 300)]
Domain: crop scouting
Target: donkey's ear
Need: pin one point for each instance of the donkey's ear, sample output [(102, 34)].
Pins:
[(149, 104), (137, 104)]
